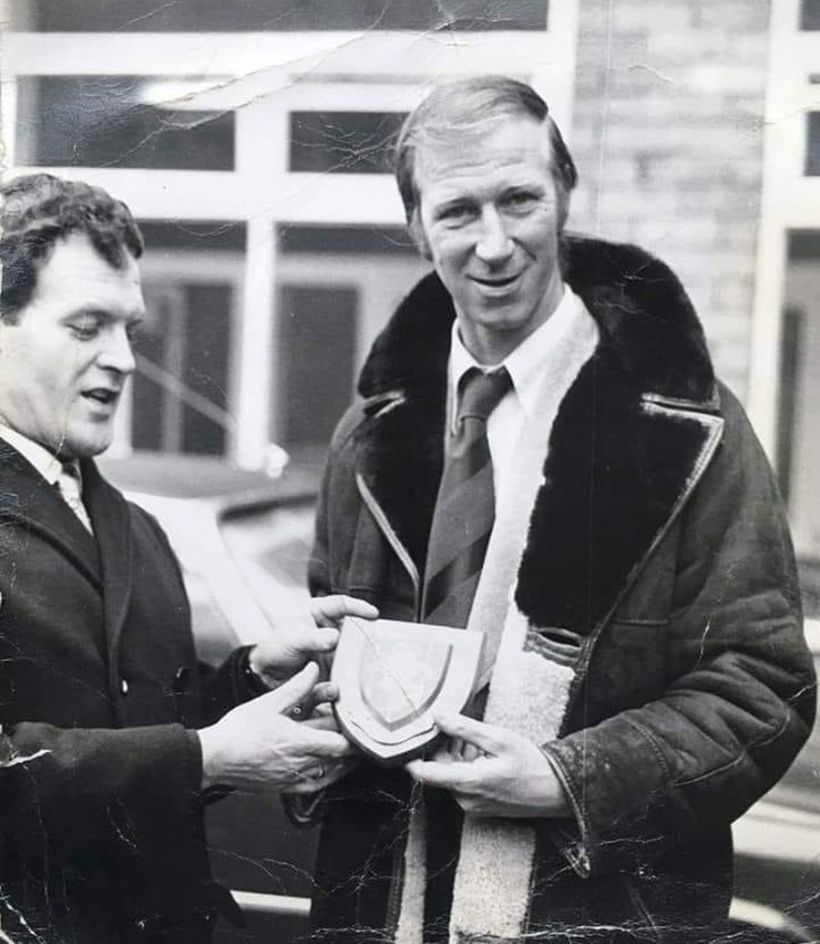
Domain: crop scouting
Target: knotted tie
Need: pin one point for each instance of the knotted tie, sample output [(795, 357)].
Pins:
[(465, 507), (462, 522), (69, 484)]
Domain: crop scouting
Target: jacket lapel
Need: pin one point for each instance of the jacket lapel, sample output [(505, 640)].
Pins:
[(630, 441), (621, 464), (27, 497), (109, 515), (399, 446), (399, 456)]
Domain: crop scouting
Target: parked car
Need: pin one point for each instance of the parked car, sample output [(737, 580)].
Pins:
[(243, 541), (777, 843)]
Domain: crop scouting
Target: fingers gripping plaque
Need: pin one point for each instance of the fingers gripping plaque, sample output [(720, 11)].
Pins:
[(394, 676)]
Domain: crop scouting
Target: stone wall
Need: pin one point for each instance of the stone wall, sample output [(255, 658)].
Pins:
[(668, 135)]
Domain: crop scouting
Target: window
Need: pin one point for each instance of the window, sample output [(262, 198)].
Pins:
[(337, 287), (272, 15), (316, 349), (810, 15), (346, 240), (343, 142), (182, 369), (812, 166), (799, 445), (184, 351), (120, 121)]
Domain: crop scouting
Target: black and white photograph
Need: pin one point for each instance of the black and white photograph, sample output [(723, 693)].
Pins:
[(408, 523)]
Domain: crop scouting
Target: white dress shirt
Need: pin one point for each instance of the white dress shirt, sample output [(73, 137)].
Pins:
[(46, 463), (52, 470), (543, 351)]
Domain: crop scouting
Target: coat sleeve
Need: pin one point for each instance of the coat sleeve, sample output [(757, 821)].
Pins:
[(93, 794), (739, 700), (48, 770)]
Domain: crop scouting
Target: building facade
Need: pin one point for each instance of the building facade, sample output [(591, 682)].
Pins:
[(251, 141)]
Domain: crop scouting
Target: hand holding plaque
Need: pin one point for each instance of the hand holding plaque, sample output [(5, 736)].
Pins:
[(393, 676)]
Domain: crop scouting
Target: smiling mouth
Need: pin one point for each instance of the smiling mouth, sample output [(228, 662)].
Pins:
[(498, 282)]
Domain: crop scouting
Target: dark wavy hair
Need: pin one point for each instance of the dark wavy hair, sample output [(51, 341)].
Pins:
[(39, 209), (464, 107)]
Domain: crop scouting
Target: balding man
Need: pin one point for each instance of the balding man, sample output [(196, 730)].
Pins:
[(541, 452)]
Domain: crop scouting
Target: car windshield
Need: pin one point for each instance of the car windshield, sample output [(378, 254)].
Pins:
[(271, 546)]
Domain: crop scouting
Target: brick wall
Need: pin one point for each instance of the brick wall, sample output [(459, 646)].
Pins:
[(667, 133)]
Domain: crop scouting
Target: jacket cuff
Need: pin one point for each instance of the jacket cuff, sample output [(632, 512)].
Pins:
[(619, 789), (569, 835), (232, 684), (252, 683)]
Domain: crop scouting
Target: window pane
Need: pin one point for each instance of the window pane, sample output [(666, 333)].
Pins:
[(346, 240), (205, 366), (799, 445), (813, 145), (316, 350), (115, 121), (274, 15), (810, 15), (343, 142), (190, 275), (197, 236)]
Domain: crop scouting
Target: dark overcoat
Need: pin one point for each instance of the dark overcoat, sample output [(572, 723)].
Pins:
[(658, 536), (101, 828)]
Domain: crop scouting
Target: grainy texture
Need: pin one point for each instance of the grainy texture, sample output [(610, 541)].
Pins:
[(668, 135)]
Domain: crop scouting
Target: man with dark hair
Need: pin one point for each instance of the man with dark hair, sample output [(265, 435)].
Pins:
[(112, 735), (541, 452)]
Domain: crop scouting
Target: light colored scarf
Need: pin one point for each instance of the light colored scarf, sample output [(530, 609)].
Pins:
[(528, 693)]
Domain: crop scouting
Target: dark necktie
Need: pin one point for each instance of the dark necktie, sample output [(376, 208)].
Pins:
[(465, 507), (462, 522)]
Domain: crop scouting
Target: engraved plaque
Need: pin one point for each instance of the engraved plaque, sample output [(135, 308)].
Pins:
[(394, 676)]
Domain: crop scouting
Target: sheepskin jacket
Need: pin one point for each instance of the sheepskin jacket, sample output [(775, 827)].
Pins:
[(658, 537)]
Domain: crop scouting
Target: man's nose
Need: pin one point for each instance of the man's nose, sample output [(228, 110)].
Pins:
[(117, 353), (494, 244)]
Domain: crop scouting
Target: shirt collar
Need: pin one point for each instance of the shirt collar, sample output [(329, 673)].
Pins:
[(45, 462), (527, 362)]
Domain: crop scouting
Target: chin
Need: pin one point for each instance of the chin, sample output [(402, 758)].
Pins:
[(86, 446), (506, 322)]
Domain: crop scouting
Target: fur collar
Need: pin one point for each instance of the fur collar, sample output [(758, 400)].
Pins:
[(645, 317), (631, 439)]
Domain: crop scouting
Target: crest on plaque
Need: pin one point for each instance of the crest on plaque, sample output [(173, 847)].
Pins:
[(393, 677)]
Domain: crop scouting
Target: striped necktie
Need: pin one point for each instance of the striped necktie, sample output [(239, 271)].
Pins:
[(69, 483), (465, 507)]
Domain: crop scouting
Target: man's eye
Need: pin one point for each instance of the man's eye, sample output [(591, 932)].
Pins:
[(84, 331), (133, 332), (520, 200), (457, 213)]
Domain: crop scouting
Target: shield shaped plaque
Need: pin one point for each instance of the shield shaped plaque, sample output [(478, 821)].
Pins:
[(394, 676)]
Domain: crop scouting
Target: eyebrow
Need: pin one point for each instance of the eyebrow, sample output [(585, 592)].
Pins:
[(447, 202)]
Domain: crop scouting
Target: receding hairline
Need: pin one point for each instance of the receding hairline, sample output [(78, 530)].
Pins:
[(475, 135)]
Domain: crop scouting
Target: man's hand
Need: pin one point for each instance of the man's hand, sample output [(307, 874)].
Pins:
[(492, 771), (292, 645), (257, 745)]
